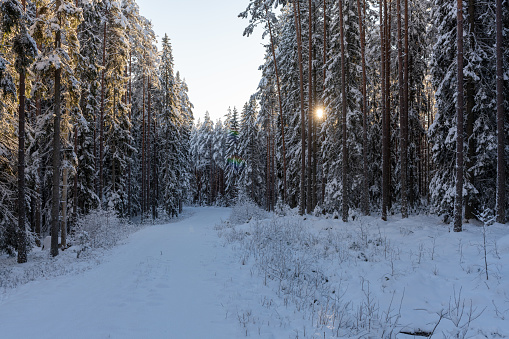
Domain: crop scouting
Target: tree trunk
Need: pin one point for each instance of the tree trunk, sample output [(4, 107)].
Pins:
[(470, 102), (388, 20), (458, 204), (309, 200), (402, 117), (75, 193), (385, 157), (129, 170), (63, 223), (149, 121), (501, 190), (296, 11), (404, 128), (154, 173), (38, 208), (323, 90), (55, 203), (314, 194), (21, 234), (344, 179), (101, 123), (364, 110), (143, 165)]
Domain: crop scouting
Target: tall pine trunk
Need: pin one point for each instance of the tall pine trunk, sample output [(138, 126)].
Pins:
[(403, 118), (404, 128), (364, 109), (344, 170), (21, 233), (296, 11), (75, 188), (149, 118), (470, 102), (63, 222), (55, 203), (385, 137), (309, 201), (388, 32), (101, 123), (129, 169), (324, 80), (501, 190), (143, 139), (458, 204), (155, 186), (38, 202)]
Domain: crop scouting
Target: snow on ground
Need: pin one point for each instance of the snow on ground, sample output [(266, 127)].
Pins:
[(372, 279), (268, 277), (165, 282)]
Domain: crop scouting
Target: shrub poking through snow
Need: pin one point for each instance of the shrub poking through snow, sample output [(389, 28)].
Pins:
[(371, 279)]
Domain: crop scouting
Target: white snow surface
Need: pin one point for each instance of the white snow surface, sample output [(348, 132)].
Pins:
[(251, 274), (165, 282)]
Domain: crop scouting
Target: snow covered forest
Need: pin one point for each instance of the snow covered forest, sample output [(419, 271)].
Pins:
[(360, 192), (358, 108), (364, 108), (93, 69)]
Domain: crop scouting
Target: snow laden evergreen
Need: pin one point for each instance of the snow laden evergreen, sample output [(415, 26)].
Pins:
[(107, 121), (410, 78), (480, 110)]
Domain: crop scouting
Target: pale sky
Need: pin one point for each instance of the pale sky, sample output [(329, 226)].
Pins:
[(220, 65)]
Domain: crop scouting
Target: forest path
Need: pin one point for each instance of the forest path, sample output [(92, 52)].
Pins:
[(165, 282)]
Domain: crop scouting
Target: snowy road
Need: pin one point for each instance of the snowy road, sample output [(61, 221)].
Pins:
[(166, 282)]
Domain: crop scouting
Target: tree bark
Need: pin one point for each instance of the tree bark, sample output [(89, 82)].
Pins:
[(129, 170), (364, 109), (344, 206), (470, 102), (385, 157), (458, 204), (38, 208), (309, 201), (21, 234), (404, 129), (324, 79), (402, 117), (143, 165), (63, 223), (55, 203), (501, 189), (149, 121), (75, 193), (296, 11), (388, 27), (155, 188), (101, 123)]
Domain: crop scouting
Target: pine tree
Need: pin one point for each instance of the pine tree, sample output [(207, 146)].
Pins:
[(442, 131), (232, 153), (15, 25), (501, 164), (59, 59), (11, 14), (251, 176), (302, 198)]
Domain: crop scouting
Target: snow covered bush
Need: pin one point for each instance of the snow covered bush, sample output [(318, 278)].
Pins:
[(372, 279), (100, 229), (246, 210)]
